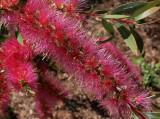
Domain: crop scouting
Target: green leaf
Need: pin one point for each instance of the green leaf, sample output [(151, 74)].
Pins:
[(143, 9), (138, 60), (128, 8), (147, 13), (92, 10), (98, 34), (114, 16), (128, 37), (139, 41), (154, 115), (135, 116), (31, 91), (157, 65), (109, 28), (101, 12), (19, 38), (107, 40)]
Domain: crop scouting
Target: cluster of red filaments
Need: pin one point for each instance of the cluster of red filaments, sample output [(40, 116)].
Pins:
[(8, 3), (66, 5)]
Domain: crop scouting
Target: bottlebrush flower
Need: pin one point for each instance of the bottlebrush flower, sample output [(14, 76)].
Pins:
[(8, 3), (122, 58), (19, 70), (143, 100), (107, 59), (68, 4), (101, 69), (4, 94), (49, 92), (4, 89)]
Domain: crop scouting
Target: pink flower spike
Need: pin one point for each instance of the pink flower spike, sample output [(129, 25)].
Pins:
[(49, 92), (112, 106), (17, 64), (144, 100)]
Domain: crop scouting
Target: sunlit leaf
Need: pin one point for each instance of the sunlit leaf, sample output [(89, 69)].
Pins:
[(108, 26), (128, 37), (128, 8), (31, 91), (153, 115), (139, 41), (19, 38), (143, 9), (114, 16), (135, 116), (98, 34), (157, 65), (147, 13), (138, 60)]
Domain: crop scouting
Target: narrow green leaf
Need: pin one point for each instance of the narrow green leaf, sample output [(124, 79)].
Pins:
[(31, 91), (130, 41), (92, 10), (109, 28), (98, 34), (135, 116), (139, 41), (153, 115), (157, 65), (138, 60), (19, 38), (147, 13), (143, 9), (101, 12), (107, 40), (128, 8), (114, 16), (128, 37)]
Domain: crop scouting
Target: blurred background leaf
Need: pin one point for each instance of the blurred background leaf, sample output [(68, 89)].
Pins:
[(144, 8), (128, 8), (153, 115)]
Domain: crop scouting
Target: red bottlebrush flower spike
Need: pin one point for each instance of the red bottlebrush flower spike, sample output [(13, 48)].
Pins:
[(19, 71), (53, 32), (112, 106), (49, 92), (122, 58), (4, 89), (4, 94), (7, 3), (109, 85), (143, 100), (68, 4)]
